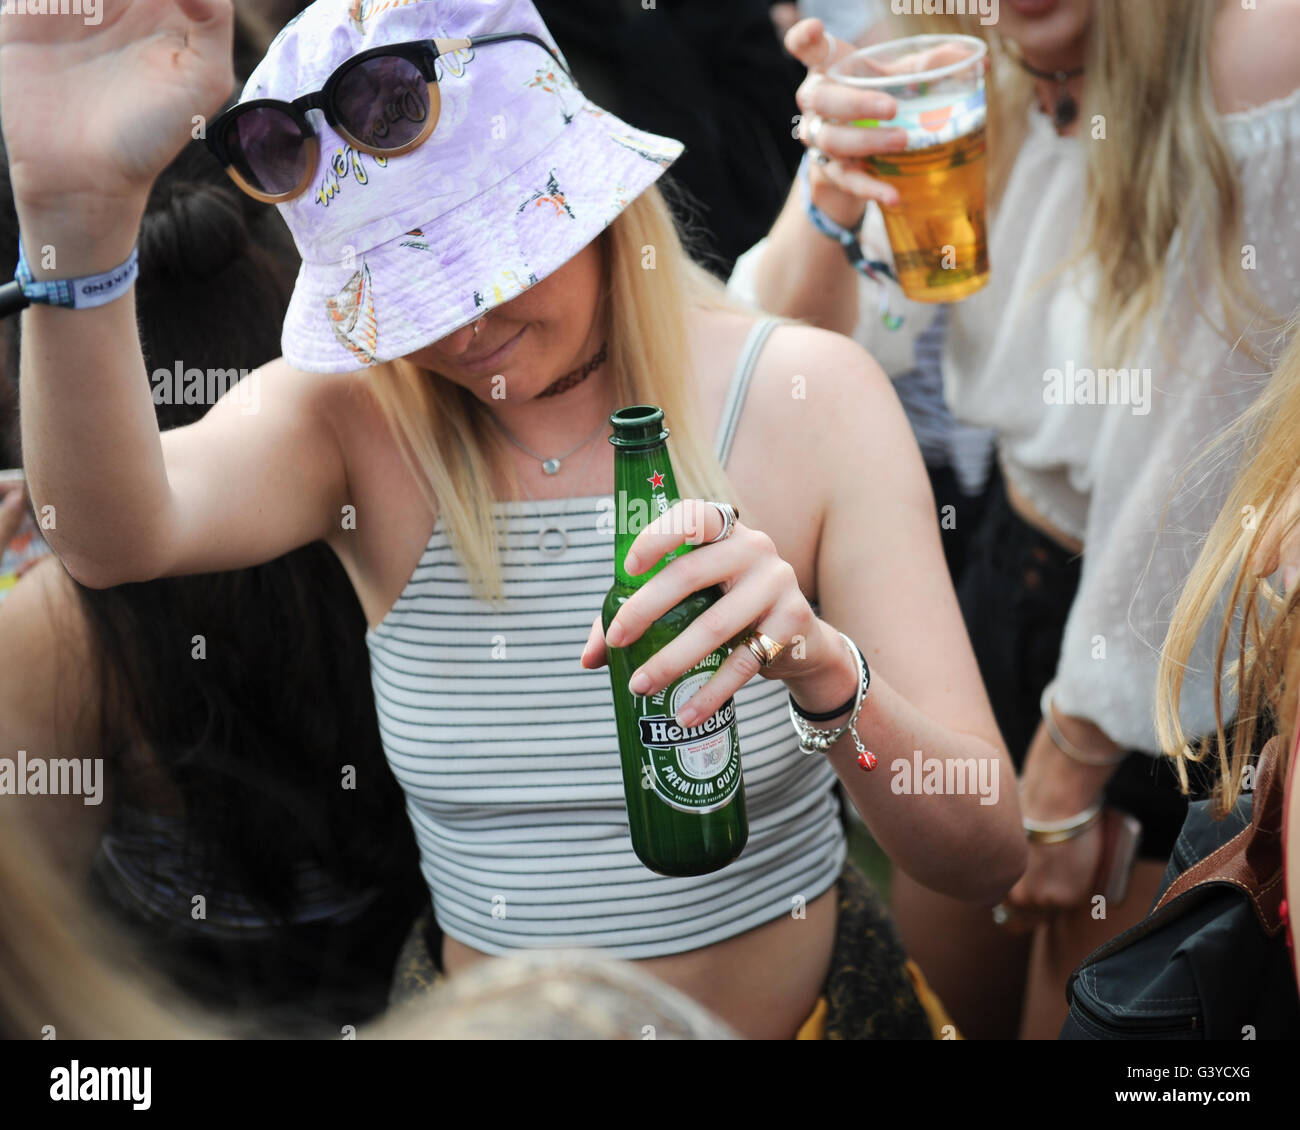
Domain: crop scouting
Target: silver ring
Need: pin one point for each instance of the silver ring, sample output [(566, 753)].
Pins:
[(819, 157), (815, 123), (730, 516)]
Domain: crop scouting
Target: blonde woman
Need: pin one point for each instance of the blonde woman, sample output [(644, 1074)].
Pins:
[(488, 272), (1141, 159), (1242, 591)]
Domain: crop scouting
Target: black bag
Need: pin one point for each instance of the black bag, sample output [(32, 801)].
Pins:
[(1210, 961)]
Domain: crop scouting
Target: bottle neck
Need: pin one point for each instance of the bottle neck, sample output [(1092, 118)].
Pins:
[(644, 488)]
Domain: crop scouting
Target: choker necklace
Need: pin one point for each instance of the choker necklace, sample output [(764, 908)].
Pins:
[(572, 380), (552, 465), (1066, 109)]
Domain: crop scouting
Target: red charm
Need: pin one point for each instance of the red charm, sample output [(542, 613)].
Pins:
[(867, 761), (656, 480)]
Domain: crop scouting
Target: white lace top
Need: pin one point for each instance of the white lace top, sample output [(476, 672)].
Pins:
[(1104, 473)]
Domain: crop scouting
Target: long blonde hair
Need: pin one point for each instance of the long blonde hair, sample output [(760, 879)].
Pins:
[(459, 459), (1162, 160), (1258, 640)]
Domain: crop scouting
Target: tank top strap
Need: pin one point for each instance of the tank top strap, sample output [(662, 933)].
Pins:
[(740, 379)]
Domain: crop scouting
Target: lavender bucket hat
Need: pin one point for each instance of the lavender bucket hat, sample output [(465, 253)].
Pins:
[(519, 175)]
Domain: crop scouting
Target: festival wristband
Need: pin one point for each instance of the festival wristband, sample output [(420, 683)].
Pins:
[(875, 269), (77, 294)]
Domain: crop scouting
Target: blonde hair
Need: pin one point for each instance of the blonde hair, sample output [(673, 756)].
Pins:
[(1258, 642), (1163, 159), (458, 458), (67, 974)]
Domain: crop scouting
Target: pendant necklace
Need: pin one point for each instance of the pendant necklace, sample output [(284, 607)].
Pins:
[(1066, 109), (552, 465), (553, 539)]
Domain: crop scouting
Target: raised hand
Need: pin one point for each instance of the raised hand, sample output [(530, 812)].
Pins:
[(844, 184), (94, 112)]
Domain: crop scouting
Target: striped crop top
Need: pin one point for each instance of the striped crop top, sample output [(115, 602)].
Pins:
[(508, 755)]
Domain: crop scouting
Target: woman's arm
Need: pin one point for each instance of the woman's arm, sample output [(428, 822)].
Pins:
[(803, 274), (843, 461), (883, 581), (91, 115)]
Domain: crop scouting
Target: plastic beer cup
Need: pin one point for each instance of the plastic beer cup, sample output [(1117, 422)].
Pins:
[(937, 230)]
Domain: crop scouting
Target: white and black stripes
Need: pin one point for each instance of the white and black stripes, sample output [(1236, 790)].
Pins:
[(508, 753)]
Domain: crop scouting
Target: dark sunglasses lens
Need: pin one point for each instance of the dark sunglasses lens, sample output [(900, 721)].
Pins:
[(268, 149), (383, 102)]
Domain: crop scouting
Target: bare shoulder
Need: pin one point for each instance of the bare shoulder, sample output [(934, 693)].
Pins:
[(824, 391), (821, 405), (282, 387), (1253, 55), (331, 420)]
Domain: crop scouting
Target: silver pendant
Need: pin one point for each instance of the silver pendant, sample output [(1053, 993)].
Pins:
[(551, 466), (552, 550)]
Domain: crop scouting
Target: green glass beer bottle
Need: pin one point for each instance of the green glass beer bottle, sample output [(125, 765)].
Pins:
[(685, 797)]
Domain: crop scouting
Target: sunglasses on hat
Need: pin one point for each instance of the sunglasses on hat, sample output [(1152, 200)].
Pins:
[(383, 102)]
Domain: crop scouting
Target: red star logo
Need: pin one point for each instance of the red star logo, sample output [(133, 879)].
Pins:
[(656, 480)]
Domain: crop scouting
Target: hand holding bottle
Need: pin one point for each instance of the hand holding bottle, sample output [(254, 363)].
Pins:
[(760, 589)]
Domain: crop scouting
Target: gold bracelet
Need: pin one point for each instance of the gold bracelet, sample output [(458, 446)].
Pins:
[(1066, 747)]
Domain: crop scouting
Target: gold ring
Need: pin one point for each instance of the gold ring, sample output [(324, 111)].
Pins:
[(763, 648)]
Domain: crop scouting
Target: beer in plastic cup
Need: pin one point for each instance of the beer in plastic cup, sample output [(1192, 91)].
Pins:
[(937, 230)]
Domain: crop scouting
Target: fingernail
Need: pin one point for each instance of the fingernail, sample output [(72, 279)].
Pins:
[(614, 637), (688, 716), (631, 565), (639, 683)]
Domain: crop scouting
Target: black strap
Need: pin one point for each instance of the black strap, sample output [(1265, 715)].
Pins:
[(828, 715)]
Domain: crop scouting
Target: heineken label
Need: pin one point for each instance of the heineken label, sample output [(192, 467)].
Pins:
[(691, 768)]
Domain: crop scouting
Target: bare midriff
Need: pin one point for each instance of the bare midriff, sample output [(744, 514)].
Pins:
[(764, 983), (1025, 510)]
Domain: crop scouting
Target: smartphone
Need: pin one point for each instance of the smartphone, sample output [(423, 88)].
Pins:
[(1121, 834)]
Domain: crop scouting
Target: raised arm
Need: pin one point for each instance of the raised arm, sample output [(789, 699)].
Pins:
[(803, 274), (91, 115)]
